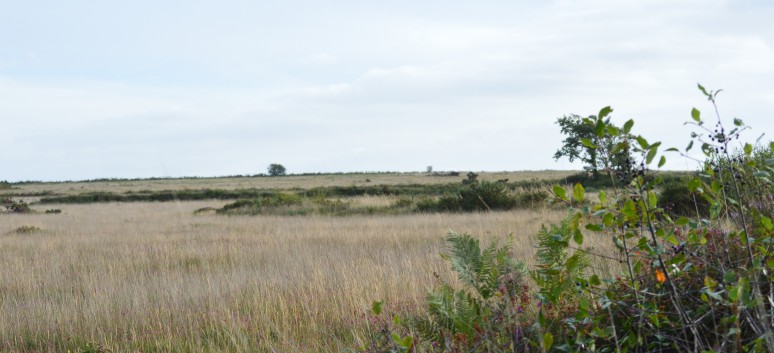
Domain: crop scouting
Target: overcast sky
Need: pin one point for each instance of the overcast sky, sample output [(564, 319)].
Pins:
[(93, 89)]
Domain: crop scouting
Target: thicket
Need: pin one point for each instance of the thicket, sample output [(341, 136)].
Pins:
[(693, 283)]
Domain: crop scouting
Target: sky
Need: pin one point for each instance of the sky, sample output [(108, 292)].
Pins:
[(135, 89)]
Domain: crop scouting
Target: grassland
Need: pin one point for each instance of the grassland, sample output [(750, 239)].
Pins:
[(156, 277), (286, 182)]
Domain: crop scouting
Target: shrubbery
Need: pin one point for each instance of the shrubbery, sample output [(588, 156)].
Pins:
[(16, 206), (694, 283)]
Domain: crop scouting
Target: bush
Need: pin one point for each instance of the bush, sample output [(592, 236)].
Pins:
[(677, 199), (696, 283), (16, 206)]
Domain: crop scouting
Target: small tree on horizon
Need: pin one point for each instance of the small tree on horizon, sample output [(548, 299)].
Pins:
[(276, 169)]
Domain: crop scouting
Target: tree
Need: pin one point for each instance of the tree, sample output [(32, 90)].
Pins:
[(598, 149), (276, 169)]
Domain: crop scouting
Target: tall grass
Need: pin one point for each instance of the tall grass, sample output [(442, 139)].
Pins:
[(154, 277)]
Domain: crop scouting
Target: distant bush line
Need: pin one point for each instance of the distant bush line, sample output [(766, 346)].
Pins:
[(222, 194)]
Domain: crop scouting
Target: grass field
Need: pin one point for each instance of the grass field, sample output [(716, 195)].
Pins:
[(287, 182), (155, 277)]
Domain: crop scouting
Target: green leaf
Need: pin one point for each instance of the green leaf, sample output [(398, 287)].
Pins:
[(376, 307), (671, 238), (405, 343), (604, 112), (578, 193), (651, 154), (608, 219), (701, 88), (594, 280), (599, 129), (643, 142), (594, 227), (587, 142), (682, 221), (694, 184), (729, 277), (560, 192), (747, 149), (696, 115), (672, 149), (652, 199), (578, 237), (548, 341), (714, 210), (612, 130), (766, 222), (628, 126), (603, 197), (661, 161), (738, 122), (690, 145)]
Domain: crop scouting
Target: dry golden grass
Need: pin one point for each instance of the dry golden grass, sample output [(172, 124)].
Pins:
[(155, 277), (302, 181)]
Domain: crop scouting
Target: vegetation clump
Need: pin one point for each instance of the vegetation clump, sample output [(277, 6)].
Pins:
[(689, 281), (276, 169), (27, 230), (13, 206)]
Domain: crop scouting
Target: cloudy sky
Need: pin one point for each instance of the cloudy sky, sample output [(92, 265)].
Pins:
[(92, 89)]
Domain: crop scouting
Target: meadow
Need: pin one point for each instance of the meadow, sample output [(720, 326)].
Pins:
[(158, 277)]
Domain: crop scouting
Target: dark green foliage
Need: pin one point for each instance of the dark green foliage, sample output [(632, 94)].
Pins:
[(488, 275), (53, 211), (591, 143), (677, 199), (257, 205), (558, 271), (531, 198), (474, 195), (4, 185), (275, 169)]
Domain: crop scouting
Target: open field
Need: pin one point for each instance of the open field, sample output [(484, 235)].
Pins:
[(155, 277)]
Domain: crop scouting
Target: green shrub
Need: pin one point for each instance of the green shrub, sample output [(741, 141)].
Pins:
[(531, 197), (678, 199), (694, 283)]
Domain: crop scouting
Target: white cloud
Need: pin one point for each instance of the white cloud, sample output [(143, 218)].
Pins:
[(229, 88)]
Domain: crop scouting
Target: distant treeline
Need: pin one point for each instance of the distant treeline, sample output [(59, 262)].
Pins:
[(259, 175)]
